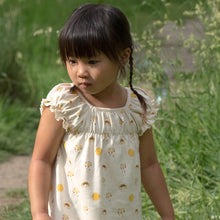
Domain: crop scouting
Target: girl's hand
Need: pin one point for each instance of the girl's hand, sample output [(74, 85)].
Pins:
[(42, 216)]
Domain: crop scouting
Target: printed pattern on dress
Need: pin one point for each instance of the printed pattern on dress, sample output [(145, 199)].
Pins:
[(99, 156)]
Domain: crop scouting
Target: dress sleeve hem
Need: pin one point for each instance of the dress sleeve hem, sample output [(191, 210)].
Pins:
[(58, 114)]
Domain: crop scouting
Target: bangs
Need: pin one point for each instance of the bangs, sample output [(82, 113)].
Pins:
[(85, 38), (84, 43), (92, 29)]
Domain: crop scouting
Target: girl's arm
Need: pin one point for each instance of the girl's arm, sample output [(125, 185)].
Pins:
[(49, 135), (153, 178)]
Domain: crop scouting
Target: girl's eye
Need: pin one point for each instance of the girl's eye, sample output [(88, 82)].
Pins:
[(93, 61), (72, 61)]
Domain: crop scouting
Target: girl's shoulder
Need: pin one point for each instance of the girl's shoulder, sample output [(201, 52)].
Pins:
[(64, 102), (62, 93), (148, 98), (60, 89), (151, 108)]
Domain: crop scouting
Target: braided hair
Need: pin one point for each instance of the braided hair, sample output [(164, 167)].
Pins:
[(139, 96)]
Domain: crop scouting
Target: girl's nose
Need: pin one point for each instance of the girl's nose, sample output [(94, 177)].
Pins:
[(82, 70)]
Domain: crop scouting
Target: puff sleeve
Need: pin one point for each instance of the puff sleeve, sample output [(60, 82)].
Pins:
[(56, 100), (151, 111)]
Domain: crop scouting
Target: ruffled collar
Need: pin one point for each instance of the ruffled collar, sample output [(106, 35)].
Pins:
[(105, 108)]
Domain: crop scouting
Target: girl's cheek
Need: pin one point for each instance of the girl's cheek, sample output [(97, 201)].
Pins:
[(69, 67), (70, 71), (71, 77)]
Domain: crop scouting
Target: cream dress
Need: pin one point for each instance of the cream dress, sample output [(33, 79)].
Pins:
[(96, 175)]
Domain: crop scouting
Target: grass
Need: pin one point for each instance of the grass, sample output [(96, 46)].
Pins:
[(187, 128), (16, 127), (191, 141), (17, 211)]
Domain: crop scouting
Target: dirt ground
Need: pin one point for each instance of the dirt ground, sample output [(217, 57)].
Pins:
[(14, 173)]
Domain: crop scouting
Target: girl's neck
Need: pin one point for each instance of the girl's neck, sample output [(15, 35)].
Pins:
[(111, 98)]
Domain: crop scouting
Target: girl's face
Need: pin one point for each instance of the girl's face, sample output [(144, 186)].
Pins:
[(93, 75)]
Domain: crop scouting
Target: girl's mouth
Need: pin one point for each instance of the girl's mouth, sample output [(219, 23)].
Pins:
[(84, 85)]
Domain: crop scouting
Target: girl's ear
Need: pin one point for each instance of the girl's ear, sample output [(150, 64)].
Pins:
[(125, 55)]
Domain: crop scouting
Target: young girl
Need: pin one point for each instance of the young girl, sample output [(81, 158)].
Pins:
[(94, 144)]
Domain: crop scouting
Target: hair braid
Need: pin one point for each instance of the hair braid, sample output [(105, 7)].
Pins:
[(140, 97)]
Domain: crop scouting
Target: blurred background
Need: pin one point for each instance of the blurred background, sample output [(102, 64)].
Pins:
[(177, 57)]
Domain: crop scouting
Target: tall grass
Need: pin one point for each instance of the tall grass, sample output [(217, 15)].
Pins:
[(187, 129), (12, 77), (188, 146), (17, 125)]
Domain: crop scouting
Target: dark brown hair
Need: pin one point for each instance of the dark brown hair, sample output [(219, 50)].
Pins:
[(94, 28)]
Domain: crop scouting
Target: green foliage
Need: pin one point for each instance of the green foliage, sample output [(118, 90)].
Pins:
[(187, 130), (17, 211), (17, 125), (12, 77), (188, 145)]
